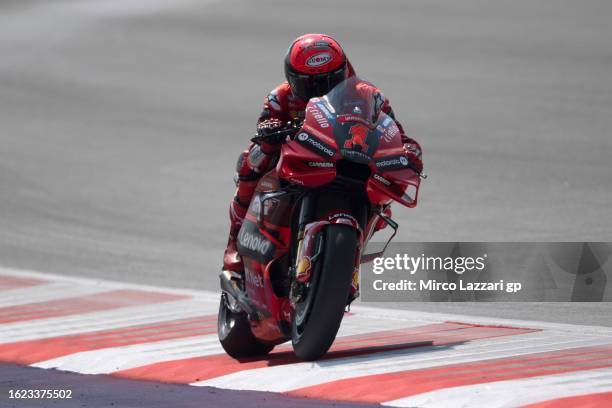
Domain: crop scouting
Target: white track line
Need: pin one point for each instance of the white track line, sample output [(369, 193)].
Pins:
[(284, 378), (196, 294), (104, 320), (110, 360), (46, 292), (512, 393), (357, 324), (363, 311), (428, 317)]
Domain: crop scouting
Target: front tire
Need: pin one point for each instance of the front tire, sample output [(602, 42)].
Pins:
[(318, 316), (235, 333)]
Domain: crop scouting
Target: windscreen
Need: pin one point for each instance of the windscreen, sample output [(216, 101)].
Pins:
[(355, 100)]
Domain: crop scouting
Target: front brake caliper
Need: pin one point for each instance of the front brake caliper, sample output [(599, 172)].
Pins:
[(298, 288)]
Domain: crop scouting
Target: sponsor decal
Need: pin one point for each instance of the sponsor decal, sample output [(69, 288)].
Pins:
[(389, 133), (254, 279), (303, 267), (253, 243), (392, 163), (316, 145), (356, 156), (355, 280), (358, 135), (320, 164), (319, 59), (350, 118), (325, 110), (359, 142), (318, 116), (383, 180)]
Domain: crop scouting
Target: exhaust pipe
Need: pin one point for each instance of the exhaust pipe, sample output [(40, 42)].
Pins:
[(229, 286)]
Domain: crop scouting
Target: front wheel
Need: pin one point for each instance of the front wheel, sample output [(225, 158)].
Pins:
[(318, 315), (235, 333)]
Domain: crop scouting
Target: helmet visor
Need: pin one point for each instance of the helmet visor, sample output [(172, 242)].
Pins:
[(310, 86)]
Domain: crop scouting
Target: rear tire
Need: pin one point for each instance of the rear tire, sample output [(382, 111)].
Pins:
[(316, 322), (235, 333)]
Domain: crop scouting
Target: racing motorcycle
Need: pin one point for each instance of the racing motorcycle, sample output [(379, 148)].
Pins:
[(306, 229)]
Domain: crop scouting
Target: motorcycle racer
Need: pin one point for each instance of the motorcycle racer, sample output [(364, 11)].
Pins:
[(314, 64)]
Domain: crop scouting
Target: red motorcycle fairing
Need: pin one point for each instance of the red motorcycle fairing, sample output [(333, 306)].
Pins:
[(307, 249), (335, 144), (328, 136), (310, 158), (264, 247)]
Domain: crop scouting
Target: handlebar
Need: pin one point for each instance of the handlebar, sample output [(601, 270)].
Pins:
[(276, 137), (279, 136)]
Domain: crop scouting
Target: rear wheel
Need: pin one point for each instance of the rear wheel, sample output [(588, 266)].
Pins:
[(318, 315), (235, 334)]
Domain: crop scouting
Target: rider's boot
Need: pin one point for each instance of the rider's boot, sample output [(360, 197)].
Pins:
[(231, 260)]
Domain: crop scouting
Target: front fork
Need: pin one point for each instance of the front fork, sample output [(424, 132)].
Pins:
[(310, 248)]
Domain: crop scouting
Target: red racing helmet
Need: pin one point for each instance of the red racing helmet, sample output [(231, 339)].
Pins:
[(314, 64)]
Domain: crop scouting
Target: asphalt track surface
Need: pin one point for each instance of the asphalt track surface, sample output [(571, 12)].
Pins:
[(103, 391), (120, 123)]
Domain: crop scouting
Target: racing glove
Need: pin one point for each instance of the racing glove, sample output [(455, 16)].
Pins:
[(270, 130), (269, 135)]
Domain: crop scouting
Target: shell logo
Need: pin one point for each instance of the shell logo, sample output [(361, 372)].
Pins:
[(319, 59), (303, 267), (355, 281)]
